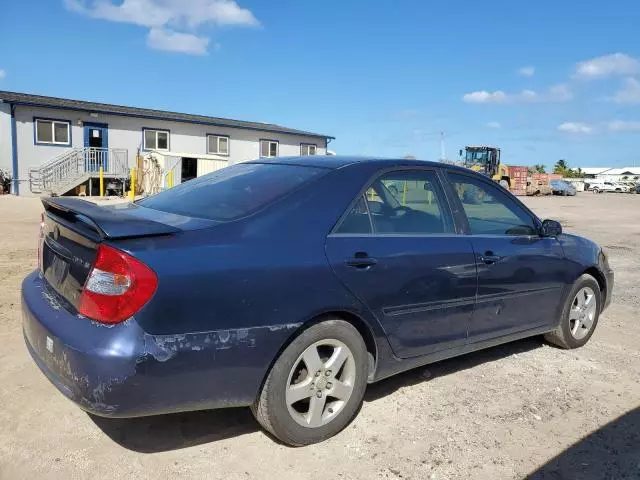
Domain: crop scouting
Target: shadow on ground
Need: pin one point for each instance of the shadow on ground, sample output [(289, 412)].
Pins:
[(611, 452), (161, 433), (447, 367), (180, 430)]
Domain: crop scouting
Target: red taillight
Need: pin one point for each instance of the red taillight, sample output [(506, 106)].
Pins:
[(40, 241), (117, 286)]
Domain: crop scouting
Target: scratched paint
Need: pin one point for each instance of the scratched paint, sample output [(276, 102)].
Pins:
[(165, 347), (51, 300)]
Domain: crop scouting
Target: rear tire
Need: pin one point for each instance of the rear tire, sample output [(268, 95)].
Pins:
[(579, 316), (309, 397)]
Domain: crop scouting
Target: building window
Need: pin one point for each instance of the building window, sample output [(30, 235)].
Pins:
[(155, 139), (268, 148), (52, 132), (308, 148), (218, 144)]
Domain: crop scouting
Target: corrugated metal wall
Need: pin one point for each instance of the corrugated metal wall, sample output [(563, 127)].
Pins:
[(207, 166)]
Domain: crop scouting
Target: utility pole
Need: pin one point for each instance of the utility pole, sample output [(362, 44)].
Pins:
[(443, 153)]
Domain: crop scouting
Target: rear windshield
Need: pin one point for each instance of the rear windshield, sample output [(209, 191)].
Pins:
[(231, 192)]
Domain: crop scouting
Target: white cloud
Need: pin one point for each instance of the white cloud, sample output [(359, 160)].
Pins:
[(2, 74), (557, 93), (630, 93), (607, 66), (575, 127), (495, 125), (164, 39), (482, 96), (528, 71), (169, 20), (624, 126)]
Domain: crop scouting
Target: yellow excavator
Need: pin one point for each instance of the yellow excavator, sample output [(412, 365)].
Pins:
[(486, 160)]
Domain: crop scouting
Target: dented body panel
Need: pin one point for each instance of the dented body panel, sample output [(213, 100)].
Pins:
[(123, 371)]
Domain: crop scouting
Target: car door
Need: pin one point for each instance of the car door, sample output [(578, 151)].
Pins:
[(520, 273), (396, 250)]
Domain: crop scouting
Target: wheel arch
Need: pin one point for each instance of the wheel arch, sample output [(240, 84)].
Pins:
[(361, 325), (600, 278), (363, 328)]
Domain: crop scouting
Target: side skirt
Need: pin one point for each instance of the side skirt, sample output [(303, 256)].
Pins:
[(396, 365)]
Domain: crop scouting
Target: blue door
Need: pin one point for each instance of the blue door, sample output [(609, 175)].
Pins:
[(398, 253), (96, 139), (521, 275)]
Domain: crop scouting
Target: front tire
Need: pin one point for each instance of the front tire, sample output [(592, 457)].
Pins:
[(579, 316), (316, 386)]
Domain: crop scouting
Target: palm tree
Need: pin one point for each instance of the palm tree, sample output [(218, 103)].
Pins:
[(561, 166), (539, 168)]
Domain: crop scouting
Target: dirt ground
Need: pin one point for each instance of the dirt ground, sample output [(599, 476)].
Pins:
[(524, 409)]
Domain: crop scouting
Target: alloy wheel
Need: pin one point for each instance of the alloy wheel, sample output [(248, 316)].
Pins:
[(320, 383), (582, 313)]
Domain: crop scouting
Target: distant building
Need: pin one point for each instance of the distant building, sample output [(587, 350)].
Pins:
[(621, 174), (55, 145), (591, 172)]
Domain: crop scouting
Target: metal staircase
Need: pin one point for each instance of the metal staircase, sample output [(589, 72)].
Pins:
[(77, 165)]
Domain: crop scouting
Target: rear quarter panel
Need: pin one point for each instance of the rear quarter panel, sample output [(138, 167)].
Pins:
[(230, 297)]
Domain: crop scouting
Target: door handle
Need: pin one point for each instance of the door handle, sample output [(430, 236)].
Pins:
[(361, 262), (489, 258)]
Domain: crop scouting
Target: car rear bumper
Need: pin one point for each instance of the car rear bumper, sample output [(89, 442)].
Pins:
[(94, 365), (122, 371)]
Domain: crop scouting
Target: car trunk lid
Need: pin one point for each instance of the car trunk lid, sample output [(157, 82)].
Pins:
[(73, 228)]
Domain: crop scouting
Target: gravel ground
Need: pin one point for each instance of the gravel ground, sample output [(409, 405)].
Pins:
[(520, 410)]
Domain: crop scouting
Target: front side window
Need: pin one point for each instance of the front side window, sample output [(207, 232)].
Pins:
[(268, 148), (156, 139), (407, 202), (53, 132), (308, 149), (489, 210), (218, 144)]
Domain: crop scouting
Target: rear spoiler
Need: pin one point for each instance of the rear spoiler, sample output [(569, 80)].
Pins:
[(108, 223)]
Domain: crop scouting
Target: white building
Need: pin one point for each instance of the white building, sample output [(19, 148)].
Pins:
[(591, 172), (631, 174), (608, 174), (53, 145)]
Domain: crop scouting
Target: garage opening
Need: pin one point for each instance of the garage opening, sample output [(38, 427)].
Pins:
[(189, 168)]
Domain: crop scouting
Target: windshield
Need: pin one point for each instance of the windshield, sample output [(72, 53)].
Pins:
[(232, 192), (477, 156)]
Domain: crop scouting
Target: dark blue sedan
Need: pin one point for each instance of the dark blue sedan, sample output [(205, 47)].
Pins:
[(287, 285)]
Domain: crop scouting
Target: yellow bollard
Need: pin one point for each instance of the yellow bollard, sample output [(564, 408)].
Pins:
[(132, 192), (101, 182), (170, 179), (404, 193)]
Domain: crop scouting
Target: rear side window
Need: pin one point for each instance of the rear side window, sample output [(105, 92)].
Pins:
[(403, 202), (357, 221), (232, 192)]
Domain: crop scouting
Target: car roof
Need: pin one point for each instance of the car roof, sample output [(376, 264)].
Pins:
[(339, 161)]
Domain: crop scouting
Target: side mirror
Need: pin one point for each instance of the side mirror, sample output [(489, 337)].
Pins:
[(550, 228)]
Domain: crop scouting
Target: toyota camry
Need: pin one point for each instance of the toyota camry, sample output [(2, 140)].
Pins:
[(289, 284)]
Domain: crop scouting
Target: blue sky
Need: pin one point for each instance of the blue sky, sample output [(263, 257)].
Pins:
[(542, 79)]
